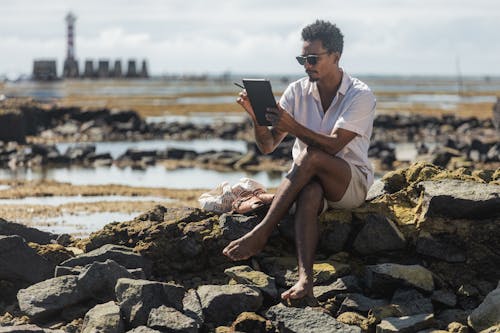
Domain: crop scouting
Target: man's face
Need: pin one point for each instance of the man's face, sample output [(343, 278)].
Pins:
[(326, 63)]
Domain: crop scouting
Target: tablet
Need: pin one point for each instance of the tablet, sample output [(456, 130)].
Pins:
[(261, 97)]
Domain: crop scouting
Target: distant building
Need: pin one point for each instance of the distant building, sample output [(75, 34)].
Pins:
[(44, 70), (70, 69)]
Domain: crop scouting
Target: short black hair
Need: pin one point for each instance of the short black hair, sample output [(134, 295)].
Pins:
[(328, 33)]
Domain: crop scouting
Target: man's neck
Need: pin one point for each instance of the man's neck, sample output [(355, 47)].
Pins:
[(330, 84)]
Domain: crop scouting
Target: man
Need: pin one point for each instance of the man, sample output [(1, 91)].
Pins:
[(331, 116), (496, 115)]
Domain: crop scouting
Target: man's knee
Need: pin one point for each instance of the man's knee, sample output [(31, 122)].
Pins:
[(311, 156)]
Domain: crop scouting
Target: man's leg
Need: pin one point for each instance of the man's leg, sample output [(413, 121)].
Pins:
[(333, 173), (309, 204)]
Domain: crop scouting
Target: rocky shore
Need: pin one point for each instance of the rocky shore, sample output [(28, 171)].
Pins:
[(421, 255), (30, 130)]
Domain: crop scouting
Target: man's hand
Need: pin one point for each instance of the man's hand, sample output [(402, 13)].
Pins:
[(281, 120), (245, 103)]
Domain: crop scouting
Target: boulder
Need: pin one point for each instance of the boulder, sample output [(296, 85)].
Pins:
[(306, 320), (247, 276), (50, 296), (460, 199), (103, 318), (406, 324), (487, 314), (18, 261), (359, 303), (29, 234), (143, 329), (169, 319), (343, 285), (385, 278), (430, 246), (378, 234), (411, 302), (250, 322), (27, 329), (223, 303), (233, 226), (137, 298), (120, 254), (99, 279)]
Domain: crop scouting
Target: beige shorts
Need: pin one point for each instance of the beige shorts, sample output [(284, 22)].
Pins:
[(353, 197), (356, 192)]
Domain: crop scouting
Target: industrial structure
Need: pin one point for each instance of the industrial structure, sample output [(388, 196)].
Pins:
[(46, 69)]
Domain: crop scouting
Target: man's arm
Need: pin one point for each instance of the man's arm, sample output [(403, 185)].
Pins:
[(331, 144)]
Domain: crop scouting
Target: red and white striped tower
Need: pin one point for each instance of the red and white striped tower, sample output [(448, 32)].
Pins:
[(70, 21)]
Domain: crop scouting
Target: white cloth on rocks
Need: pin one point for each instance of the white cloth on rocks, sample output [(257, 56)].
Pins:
[(221, 198)]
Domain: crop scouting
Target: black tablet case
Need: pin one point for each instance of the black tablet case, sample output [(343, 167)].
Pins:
[(261, 97)]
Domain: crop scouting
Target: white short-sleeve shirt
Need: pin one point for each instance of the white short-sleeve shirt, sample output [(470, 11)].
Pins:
[(353, 109)]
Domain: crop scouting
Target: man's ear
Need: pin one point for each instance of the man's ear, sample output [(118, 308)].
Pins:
[(336, 57)]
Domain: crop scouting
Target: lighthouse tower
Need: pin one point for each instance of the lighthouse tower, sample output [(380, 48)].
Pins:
[(70, 64)]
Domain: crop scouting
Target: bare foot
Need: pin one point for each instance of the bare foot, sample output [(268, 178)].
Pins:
[(245, 247), (301, 289)]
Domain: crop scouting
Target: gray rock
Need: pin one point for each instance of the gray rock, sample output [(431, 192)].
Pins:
[(334, 239), (429, 246), (29, 234), (121, 254), (143, 329), (306, 320), (99, 279), (138, 297), (379, 234), (444, 318), (103, 318), (360, 304), (50, 296), (63, 270), (171, 320), (191, 306), (247, 276), (234, 226), (18, 261), (460, 199), (385, 278), (411, 302), (343, 285), (407, 324), (222, 304), (487, 314), (376, 190), (27, 329), (444, 297)]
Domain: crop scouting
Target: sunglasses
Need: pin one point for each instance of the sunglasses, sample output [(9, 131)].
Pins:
[(311, 59)]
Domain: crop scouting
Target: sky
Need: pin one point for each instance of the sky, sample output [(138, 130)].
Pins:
[(381, 37)]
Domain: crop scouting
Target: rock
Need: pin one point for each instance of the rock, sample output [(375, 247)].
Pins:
[(376, 190), (284, 270), (249, 322), (27, 329), (334, 229), (460, 199), (444, 297), (429, 246), (233, 226), (378, 234), (343, 285), (143, 329), (353, 318), (387, 277), (99, 279), (306, 320), (444, 318), (247, 276), (50, 296), (222, 304), (137, 298), (29, 234), (487, 314), (191, 306), (18, 261), (493, 329), (457, 328), (407, 324), (168, 319), (103, 318), (120, 254), (411, 302), (360, 303)]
